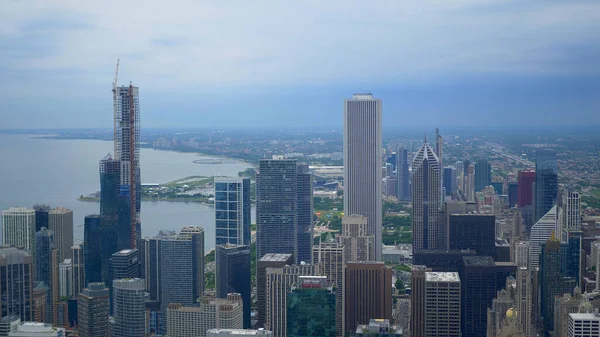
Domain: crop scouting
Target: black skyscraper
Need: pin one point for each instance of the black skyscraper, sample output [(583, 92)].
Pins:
[(473, 231), (41, 216), (126, 264), (546, 182), (483, 174), (233, 275), (92, 248), (403, 174), (305, 214)]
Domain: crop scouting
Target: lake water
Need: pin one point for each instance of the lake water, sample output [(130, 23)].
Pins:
[(57, 172)]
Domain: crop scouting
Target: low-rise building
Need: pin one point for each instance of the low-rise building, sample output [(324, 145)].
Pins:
[(238, 332), (378, 327), (35, 329)]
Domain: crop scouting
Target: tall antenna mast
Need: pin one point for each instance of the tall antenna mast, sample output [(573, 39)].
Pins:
[(114, 90)]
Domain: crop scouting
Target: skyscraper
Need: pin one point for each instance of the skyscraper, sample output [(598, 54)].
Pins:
[(524, 294), (65, 272), (279, 281), (18, 227), (92, 248), (417, 319), (16, 282), (212, 313), (305, 213), (570, 213), (368, 293), (470, 183), (439, 147), (525, 188), (442, 304), (546, 182), (233, 275), (126, 264), (449, 182), (40, 302), (540, 232), (311, 308), (362, 162), (78, 269), (43, 266), (483, 174), (269, 260), (329, 256), (473, 231), (60, 221), (232, 211), (41, 216), (129, 311), (182, 268), (403, 174), (92, 310), (114, 213), (152, 271), (276, 207), (355, 238), (426, 199), (513, 194)]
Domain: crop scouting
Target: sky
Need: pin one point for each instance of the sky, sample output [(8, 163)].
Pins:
[(243, 63)]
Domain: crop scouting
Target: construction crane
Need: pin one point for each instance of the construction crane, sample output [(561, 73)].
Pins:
[(114, 90)]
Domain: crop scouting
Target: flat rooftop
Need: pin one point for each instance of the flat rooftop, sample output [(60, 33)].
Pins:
[(442, 277), (239, 332), (478, 261), (276, 257)]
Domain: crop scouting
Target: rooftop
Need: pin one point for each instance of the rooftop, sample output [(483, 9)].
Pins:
[(239, 332), (479, 261), (276, 257), (441, 277)]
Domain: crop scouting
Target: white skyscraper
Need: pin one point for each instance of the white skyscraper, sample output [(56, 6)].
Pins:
[(65, 269), (425, 198), (541, 232), (362, 162), (18, 227), (570, 213)]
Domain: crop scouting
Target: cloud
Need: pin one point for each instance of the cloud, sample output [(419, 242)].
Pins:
[(202, 46)]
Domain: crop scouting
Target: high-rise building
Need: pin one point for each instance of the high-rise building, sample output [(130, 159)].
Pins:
[(525, 192), (269, 260), (329, 256), (43, 265), (546, 182), (417, 317), (276, 207), (40, 302), (18, 227), (574, 262), (129, 310), (65, 272), (16, 282), (355, 238), (238, 332), (403, 174), (126, 104), (152, 270), (570, 213), (60, 221), (441, 260), (448, 180), (41, 216), (483, 174), (513, 194), (212, 313), (92, 248), (78, 269), (473, 231), (55, 290), (305, 213), (182, 268), (92, 310), (481, 278), (126, 264), (279, 281), (584, 325), (362, 162), (540, 232), (233, 275), (552, 281), (426, 199), (524, 298), (232, 211), (368, 293), (470, 183), (311, 309), (439, 147), (567, 304), (442, 304), (521, 254), (114, 214)]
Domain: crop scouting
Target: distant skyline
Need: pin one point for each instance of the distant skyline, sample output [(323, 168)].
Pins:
[(211, 64)]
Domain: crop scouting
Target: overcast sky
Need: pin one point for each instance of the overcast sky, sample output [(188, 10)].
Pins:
[(291, 63)]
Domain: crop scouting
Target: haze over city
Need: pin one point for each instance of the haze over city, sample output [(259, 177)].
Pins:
[(273, 63)]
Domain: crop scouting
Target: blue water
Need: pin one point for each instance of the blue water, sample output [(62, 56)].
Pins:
[(57, 172)]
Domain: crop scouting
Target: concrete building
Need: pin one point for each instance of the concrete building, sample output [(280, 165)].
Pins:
[(470, 183), (524, 299), (279, 281), (565, 305), (267, 261), (126, 263), (18, 227), (521, 253), (232, 210), (238, 332), (362, 158), (584, 325), (569, 213), (92, 310), (233, 274), (65, 272), (329, 256), (213, 313), (540, 232), (426, 199), (16, 284), (378, 327), (78, 280), (60, 221), (442, 304), (129, 310), (504, 300), (40, 302), (7, 323), (357, 242), (368, 293), (35, 329), (417, 317), (311, 308), (182, 268)]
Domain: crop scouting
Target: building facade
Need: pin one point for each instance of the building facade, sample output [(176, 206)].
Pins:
[(546, 182), (442, 304), (426, 199), (92, 248), (329, 256), (129, 310), (483, 174), (305, 210), (473, 231), (92, 310), (267, 261), (233, 275), (60, 221), (311, 308), (540, 232), (18, 227), (232, 211), (355, 238), (16, 283), (362, 162), (78, 280)]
